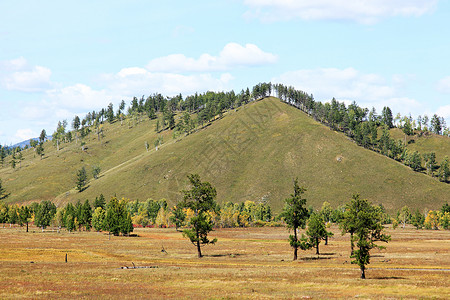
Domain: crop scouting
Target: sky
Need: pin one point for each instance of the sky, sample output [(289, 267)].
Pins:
[(59, 59)]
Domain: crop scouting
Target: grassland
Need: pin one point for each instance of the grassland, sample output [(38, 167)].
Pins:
[(249, 154), (245, 263)]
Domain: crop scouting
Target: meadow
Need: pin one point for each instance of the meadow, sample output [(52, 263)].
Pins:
[(245, 263)]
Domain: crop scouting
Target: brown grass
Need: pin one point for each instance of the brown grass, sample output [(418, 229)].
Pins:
[(245, 263)]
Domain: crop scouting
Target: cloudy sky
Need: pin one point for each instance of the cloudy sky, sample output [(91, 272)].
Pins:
[(62, 58)]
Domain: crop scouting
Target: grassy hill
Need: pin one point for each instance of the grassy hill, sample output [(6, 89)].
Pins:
[(250, 154)]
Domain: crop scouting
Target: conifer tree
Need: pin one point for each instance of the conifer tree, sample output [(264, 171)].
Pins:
[(200, 199), (3, 194), (295, 215), (365, 222), (81, 179)]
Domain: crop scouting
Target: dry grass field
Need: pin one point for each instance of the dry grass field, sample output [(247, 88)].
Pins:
[(245, 263)]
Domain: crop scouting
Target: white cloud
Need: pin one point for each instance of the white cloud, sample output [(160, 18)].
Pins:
[(444, 111), (24, 134), (78, 96), (137, 81), (361, 11), (18, 75), (348, 85), (344, 84), (232, 55), (443, 85)]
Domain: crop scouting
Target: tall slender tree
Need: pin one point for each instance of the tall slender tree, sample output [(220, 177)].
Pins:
[(295, 215), (201, 200)]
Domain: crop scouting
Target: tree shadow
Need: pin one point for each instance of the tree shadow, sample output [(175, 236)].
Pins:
[(388, 277), (314, 258), (329, 253), (84, 188), (223, 255)]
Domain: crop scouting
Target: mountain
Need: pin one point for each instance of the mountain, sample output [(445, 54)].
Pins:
[(252, 153)]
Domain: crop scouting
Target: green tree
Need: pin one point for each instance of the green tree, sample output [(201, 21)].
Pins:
[(45, 214), (430, 162), (85, 215), (436, 125), (13, 215), (40, 150), (24, 215), (386, 117), (200, 199), (2, 155), (348, 220), (42, 136), (295, 215), (316, 231), (3, 193), (96, 171), (98, 218), (417, 219), (367, 230), (76, 125), (403, 215), (444, 170), (178, 216), (70, 217), (99, 202), (118, 219), (110, 113), (81, 179)]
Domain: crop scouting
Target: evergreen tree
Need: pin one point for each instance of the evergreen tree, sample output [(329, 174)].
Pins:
[(118, 219), (24, 215), (99, 202), (367, 228), (98, 218), (436, 125), (86, 215), (430, 162), (178, 216), (81, 179), (45, 214), (200, 199), (40, 150), (417, 219), (316, 232), (444, 170), (42, 136), (70, 217), (96, 171), (3, 194), (110, 113), (295, 215)]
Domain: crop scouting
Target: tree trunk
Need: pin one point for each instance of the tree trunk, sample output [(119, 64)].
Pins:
[(363, 273), (351, 242), (326, 240), (27, 226), (199, 250), (295, 248), (317, 246)]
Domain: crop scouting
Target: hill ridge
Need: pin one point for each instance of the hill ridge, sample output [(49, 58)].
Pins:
[(251, 153)]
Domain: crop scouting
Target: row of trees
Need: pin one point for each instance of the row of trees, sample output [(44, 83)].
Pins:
[(359, 218), (113, 217)]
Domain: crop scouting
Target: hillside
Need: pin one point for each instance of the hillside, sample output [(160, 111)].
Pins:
[(250, 154)]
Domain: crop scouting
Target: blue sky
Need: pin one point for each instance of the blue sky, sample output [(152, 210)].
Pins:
[(64, 58)]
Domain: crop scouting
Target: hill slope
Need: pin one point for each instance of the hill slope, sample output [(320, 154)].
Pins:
[(250, 154)]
